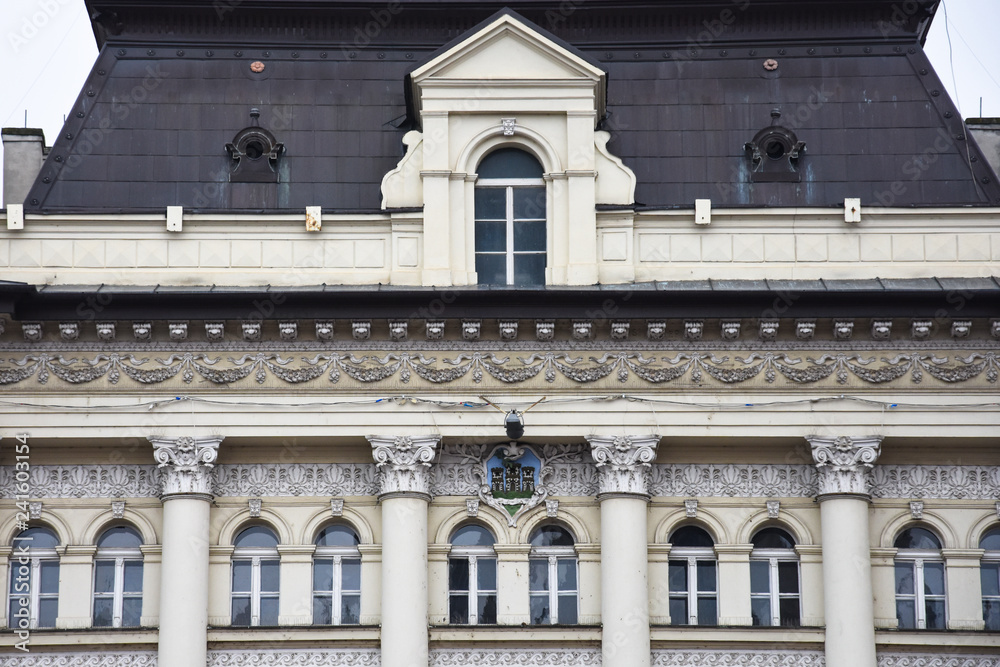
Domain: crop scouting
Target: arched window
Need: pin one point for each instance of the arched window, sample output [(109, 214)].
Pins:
[(553, 582), (472, 577), (692, 577), (255, 577), (337, 577), (34, 579), (511, 236), (920, 594), (118, 578), (774, 579), (990, 574)]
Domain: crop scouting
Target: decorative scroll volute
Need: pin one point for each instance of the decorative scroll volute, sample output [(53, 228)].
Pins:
[(845, 463), (404, 462), (186, 464), (623, 462)]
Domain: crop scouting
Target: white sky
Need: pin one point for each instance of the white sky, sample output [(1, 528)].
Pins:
[(47, 49)]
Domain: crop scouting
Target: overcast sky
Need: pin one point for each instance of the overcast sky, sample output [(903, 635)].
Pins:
[(48, 49)]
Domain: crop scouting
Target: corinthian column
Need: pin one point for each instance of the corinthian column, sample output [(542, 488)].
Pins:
[(844, 466), (186, 474), (403, 464), (623, 477)]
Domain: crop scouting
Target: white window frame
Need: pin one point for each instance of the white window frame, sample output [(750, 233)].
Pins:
[(472, 555), (553, 555), (916, 559), (34, 592), (991, 558), (120, 556), (508, 184), (772, 557), (337, 555), (255, 555), (693, 555)]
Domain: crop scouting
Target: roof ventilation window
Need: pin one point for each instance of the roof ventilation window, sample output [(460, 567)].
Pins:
[(255, 154), (774, 154)]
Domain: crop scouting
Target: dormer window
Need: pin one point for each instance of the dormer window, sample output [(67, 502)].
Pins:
[(511, 236), (774, 154), (254, 152)]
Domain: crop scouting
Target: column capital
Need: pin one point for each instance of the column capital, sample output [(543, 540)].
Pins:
[(404, 462), (623, 462), (186, 464), (844, 463)]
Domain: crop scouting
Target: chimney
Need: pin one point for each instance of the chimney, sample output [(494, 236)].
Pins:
[(986, 132), (23, 154)]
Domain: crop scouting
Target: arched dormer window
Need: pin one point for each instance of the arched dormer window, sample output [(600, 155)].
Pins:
[(337, 577), (511, 237), (118, 578), (255, 577), (693, 578), (34, 579), (920, 595)]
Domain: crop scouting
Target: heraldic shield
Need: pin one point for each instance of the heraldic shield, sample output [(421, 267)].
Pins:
[(512, 476)]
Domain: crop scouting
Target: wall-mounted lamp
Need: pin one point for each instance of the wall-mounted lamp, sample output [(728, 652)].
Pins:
[(513, 421)]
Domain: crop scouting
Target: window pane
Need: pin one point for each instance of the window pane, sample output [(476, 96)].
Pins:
[(241, 576), (269, 572), (691, 536), (458, 609), (539, 609), (337, 536), (706, 575), (707, 611), (760, 572), (529, 269), (486, 574), (567, 609), (241, 611), (678, 575), (529, 236), (904, 578), (509, 163), (529, 203), (322, 610), (935, 614), (13, 610), (488, 609), (566, 572), (934, 578), (773, 538), (104, 576), (322, 575), (458, 574), (131, 612), (789, 612), (917, 538), (257, 536), (121, 537), (906, 614), (473, 536), (41, 538), (991, 540), (351, 574), (48, 609), (50, 576), (491, 236), (760, 610), (788, 577), (990, 574), (103, 612), (991, 614), (350, 609), (491, 269), (551, 536), (678, 611), (133, 576), (538, 574), (491, 203), (269, 611)]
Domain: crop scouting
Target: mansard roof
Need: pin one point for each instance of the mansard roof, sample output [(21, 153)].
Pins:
[(686, 90)]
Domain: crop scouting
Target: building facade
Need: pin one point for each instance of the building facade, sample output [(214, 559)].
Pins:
[(450, 334)]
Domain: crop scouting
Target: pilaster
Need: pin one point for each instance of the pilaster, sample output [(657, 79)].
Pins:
[(964, 586), (371, 589), (437, 583), (811, 584), (152, 557), (76, 564), (659, 583), (512, 599), (295, 584), (734, 584), (884, 587), (220, 558)]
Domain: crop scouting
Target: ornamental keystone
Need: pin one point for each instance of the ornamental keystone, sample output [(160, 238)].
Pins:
[(623, 462), (404, 462), (187, 463), (845, 463)]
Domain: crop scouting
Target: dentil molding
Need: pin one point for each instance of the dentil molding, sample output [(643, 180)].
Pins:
[(403, 462), (186, 463), (844, 463), (623, 462)]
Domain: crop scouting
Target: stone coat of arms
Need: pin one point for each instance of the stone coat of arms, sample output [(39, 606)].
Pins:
[(511, 480)]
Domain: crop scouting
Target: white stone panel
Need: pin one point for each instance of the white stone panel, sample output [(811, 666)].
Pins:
[(941, 247), (4, 252), (614, 246), (408, 251), (308, 254), (88, 253), (25, 252), (717, 248), (369, 253), (121, 252), (907, 248), (654, 247), (339, 254), (685, 249), (973, 247), (843, 248), (152, 253), (277, 253), (183, 253), (748, 248), (810, 248), (246, 253), (779, 248), (876, 247), (214, 253), (56, 252)]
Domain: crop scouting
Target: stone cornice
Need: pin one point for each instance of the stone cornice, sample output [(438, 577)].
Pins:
[(844, 463), (623, 463), (403, 463), (186, 463)]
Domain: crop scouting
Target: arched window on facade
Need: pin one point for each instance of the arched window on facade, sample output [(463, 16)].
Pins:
[(255, 577), (553, 580), (511, 237), (472, 577), (34, 580), (920, 592), (774, 579), (693, 579), (990, 574), (337, 577), (118, 578)]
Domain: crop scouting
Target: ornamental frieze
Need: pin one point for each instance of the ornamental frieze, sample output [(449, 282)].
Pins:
[(328, 369)]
